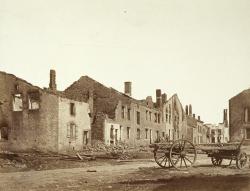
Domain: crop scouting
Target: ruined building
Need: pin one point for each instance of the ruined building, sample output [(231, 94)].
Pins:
[(88, 112), (239, 116), (42, 119), (117, 117)]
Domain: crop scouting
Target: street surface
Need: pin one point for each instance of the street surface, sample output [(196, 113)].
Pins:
[(143, 174)]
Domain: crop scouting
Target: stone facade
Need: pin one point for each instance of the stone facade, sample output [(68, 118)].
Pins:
[(239, 117), (34, 118), (174, 118), (117, 116)]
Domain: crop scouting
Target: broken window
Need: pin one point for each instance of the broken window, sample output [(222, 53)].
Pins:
[(72, 131), (138, 117), (138, 135), (146, 133), (17, 102), (34, 100), (166, 114), (123, 112), (248, 133), (85, 137), (247, 115), (120, 132), (157, 136), (72, 109), (129, 113), (128, 132), (4, 134), (159, 118), (156, 117)]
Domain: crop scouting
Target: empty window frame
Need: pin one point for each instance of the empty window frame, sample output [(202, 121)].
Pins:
[(4, 134), (72, 131), (72, 109), (159, 118), (138, 134), (247, 115), (248, 133), (138, 120), (128, 132), (166, 115), (85, 137), (128, 113), (17, 102), (146, 133), (34, 100), (123, 112)]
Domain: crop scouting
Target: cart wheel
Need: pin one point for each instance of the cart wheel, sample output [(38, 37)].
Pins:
[(241, 160), (162, 158), (216, 161), (182, 154)]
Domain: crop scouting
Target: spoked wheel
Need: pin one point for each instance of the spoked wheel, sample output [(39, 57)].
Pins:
[(182, 154), (162, 158), (241, 161), (216, 161)]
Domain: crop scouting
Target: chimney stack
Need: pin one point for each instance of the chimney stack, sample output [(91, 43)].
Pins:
[(158, 98), (199, 118), (164, 98), (193, 115), (52, 82), (190, 110), (186, 110), (225, 121), (127, 88)]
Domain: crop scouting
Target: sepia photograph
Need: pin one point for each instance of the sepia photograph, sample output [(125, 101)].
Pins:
[(124, 95)]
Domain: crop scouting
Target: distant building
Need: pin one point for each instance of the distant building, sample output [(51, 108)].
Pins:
[(219, 133), (239, 116), (41, 119), (196, 129)]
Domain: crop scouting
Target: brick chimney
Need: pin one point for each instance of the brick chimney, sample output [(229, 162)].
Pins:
[(194, 116), (158, 98), (186, 109), (164, 98), (225, 121), (190, 110), (128, 88), (52, 82), (199, 118)]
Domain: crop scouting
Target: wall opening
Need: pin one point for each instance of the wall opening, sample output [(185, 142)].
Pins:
[(17, 102), (85, 137), (34, 100), (4, 134)]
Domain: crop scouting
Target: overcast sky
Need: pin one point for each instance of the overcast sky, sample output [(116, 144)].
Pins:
[(199, 49)]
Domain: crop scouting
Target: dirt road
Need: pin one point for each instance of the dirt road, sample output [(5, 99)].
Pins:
[(136, 175)]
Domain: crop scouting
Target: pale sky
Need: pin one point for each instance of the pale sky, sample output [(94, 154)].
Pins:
[(199, 49)]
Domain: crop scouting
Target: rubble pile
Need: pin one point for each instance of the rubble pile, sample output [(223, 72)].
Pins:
[(11, 160), (120, 151)]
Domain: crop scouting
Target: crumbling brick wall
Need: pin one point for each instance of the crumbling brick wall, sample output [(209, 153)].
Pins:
[(28, 129), (237, 125)]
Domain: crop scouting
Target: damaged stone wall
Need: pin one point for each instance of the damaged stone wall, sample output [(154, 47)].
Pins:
[(28, 128), (78, 121), (108, 104), (238, 126)]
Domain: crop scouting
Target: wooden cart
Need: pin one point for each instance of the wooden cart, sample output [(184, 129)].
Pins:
[(182, 154)]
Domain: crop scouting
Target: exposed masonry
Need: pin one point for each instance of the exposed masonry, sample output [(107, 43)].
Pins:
[(239, 116), (35, 118), (86, 112)]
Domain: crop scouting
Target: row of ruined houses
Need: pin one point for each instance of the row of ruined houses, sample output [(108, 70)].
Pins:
[(87, 112)]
